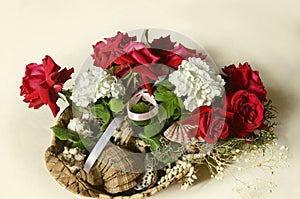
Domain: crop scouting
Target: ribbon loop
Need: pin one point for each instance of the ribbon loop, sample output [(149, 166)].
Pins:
[(116, 123), (142, 116)]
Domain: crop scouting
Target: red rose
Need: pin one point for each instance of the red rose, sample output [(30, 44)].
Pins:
[(131, 56), (170, 54), (244, 78), (163, 43), (248, 113), (42, 82), (186, 52), (141, 61), (106, 53), (212, 123)]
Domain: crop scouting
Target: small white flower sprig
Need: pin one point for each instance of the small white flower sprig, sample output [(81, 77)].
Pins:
[(242, 156), (180, 165), (260, 153)]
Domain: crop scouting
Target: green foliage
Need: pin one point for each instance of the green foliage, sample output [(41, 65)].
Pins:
[(87, 143), (154, 128), (140, 107), (162, 115), (65, 134), (112, 69), (102, 112), (154, 142), (170, 102), (116, 105), (164, 86)]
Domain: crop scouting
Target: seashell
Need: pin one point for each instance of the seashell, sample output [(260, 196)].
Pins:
[(150, 177), (124, 136), (179, 133), (148, 180), (73, 158), (117, 168)]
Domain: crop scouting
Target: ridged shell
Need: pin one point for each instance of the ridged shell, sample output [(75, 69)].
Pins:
[(124, 136), (117, 168), (179, 133), (78, 183)]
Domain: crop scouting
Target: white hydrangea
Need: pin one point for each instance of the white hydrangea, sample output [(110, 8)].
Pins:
[(198, 82), (94, 84), (81, 127)]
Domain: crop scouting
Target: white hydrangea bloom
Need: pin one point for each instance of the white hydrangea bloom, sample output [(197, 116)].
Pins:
[(198, 82), (93, 84), (81, 127)]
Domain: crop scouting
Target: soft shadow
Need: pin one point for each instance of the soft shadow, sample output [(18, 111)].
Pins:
[(203, 174)]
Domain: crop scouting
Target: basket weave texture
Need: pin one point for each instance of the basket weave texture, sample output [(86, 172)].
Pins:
[(77, 182)]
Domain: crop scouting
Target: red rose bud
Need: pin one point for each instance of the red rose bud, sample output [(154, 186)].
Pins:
[(42, 82), (244, 78), (249, 113)]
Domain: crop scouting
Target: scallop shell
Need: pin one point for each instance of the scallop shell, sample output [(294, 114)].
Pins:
[(179, 133), (117, 169), (80, 182)]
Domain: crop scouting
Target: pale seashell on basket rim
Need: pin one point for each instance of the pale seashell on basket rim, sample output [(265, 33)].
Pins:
[(178, 132)]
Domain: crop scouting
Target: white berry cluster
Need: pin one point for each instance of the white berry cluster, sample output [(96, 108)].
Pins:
[(198, 82), (94, 84)]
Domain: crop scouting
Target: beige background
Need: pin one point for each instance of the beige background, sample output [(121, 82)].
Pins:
[(264, 32)]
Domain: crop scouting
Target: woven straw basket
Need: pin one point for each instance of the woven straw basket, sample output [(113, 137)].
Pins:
[(77, 183)]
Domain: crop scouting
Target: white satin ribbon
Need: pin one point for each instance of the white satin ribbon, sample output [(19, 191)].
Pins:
[(116, 123), (98, 148), (142, 116)]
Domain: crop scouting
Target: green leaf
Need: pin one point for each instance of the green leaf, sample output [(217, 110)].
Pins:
[(116, 105), (154, 141), (139, 123), (170, 102), (112, 69), (65, 134), (153, 129), (102, 112), (162, 115), (87, 144), (78, 144), (140, 107), (164, 86)]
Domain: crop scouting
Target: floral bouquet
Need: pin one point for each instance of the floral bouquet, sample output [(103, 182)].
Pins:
[(146, 111)]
